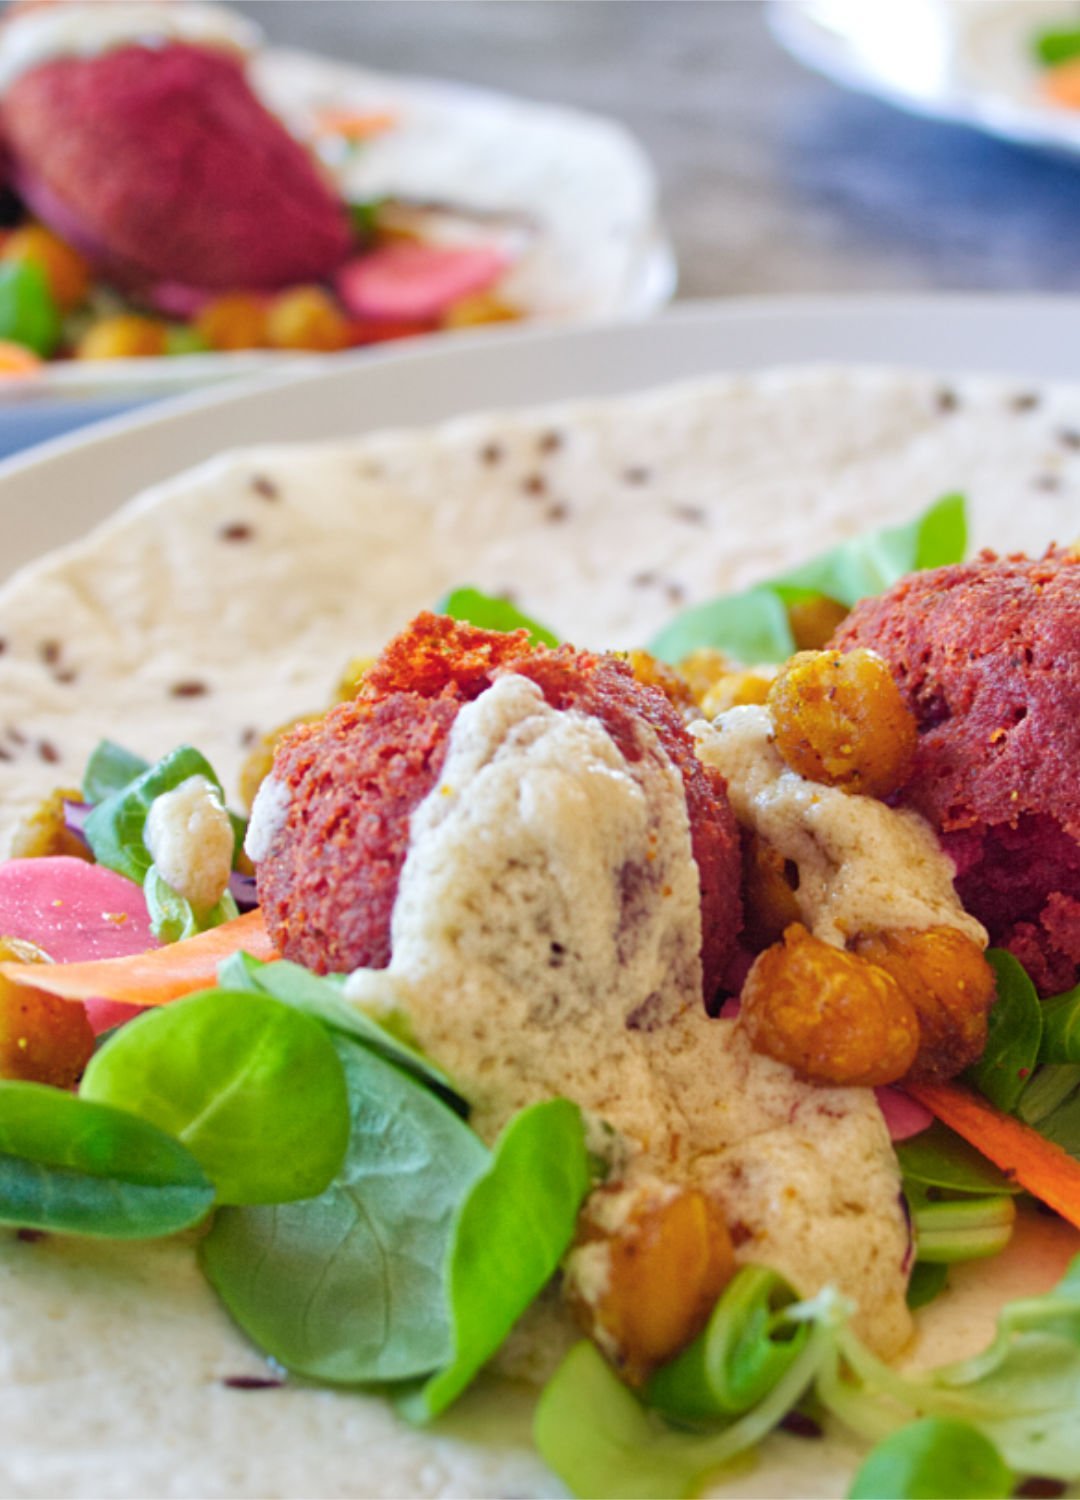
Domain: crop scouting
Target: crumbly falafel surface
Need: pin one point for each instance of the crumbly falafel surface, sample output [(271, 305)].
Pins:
[(987, 655), (354, 778)]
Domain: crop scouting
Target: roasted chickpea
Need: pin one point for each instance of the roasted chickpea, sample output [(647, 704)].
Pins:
[(43, 1039), (702, 669), (831, 1015), (307, 317), (650, 671), (44, 831), (66, 271), (735, 690), (769, 885), (813, 621), (126, 336), (664, 1255), (235, 322), (950, 984), (480, 308), (840, 719)]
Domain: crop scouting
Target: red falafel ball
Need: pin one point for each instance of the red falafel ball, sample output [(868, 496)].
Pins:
[(163, 166), (987, 655), (350, 783)]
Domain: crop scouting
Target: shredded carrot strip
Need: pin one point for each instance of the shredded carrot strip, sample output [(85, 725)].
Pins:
[(1041, 1167), (353, 124), (154, 977)]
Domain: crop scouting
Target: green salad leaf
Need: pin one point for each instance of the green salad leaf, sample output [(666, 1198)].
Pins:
[(173, 918), (1060, 45), (322, 999), (116, 827), (753, 626), (1061, 1028), (961, 1227), (938, 1158), (110, 769), (927, 1281), (1014, 1037), (492, 613), (938, 1458), (508, 1238), (29, 314), (251, 1087), (82, 1168), (348, 1287)]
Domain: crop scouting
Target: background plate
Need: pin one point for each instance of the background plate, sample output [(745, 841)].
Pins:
[(969, 62), (58, 491)]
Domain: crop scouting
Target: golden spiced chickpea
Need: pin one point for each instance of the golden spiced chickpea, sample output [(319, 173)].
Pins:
[(306, 317), (950, 984), (478, 309), (839, 719), (735, 690), (668, 1258), (831, 1015), (67, 273), (650, 671), (233, 322), (126, 336), (43, 1039), (813, 621), (44, 831), (769, 884), (702, 668)]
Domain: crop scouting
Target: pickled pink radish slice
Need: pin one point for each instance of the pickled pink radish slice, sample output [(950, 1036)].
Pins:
[(417, 282), (76, 911), (904, 1116)]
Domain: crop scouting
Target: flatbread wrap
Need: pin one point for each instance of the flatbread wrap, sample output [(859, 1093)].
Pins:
[(225, 603)]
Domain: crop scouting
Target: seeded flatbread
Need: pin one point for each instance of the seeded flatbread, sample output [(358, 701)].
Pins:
[(227, 600)]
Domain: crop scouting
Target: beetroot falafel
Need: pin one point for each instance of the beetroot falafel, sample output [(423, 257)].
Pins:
[(161, 164), (346, 787), (987, 656)]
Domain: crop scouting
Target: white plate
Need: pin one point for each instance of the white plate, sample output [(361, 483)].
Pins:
[(582, 181), (54, 493), (967, 61)]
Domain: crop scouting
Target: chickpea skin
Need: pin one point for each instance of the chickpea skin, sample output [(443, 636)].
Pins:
[(830, 1015), (950, 984)]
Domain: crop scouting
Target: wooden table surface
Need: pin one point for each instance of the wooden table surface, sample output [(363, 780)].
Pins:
[(772, 179)]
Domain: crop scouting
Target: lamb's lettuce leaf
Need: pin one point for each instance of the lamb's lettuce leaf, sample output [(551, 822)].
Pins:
[(110, 769), (753, 626), (489, 612), (76, 1167), (509, 1235), (348, 1287), (1014, 1037), (173, 918), (937, 1458), (115, 830), (251, 1087), (321, 997)]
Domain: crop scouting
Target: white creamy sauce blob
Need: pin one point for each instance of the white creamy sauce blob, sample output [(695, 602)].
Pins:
[(190, 838), (269, 814), (863, 866), (546, 940), (42, 34)]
